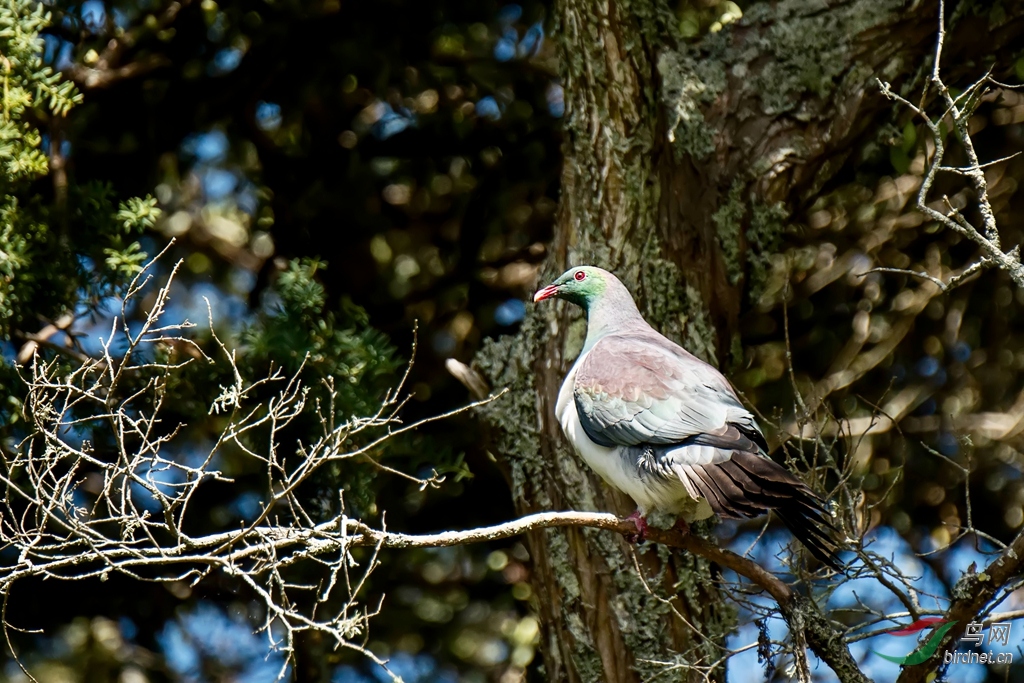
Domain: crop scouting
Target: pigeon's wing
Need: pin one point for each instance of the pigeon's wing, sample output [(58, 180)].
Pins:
[(643, 389), (727, 470)]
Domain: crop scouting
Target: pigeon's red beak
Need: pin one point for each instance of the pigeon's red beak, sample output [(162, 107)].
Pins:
[(545, 293)]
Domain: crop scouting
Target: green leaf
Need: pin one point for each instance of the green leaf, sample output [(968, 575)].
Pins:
[(126, 263), (899, 159), (689, 23), (138, 213), (909, 137)]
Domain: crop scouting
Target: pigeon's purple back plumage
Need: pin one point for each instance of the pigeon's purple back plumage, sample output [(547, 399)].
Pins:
[(645, 389)]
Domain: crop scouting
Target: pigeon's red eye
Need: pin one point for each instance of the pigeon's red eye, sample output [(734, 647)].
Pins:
[(580, 276)]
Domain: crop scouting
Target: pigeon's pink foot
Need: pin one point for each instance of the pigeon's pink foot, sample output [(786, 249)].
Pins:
[(682, 526), (641, 528)]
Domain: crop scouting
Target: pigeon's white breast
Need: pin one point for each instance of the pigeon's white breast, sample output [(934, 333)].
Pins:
[(649, 494)]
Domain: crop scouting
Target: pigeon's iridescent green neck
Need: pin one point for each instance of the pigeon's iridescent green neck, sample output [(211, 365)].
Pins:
[(606, 301), (584, 294), (610, 311)]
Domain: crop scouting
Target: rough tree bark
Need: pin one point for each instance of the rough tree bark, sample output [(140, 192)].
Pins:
[(683, 164)]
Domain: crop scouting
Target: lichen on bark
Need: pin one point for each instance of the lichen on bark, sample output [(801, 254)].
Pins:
[(810, 48), (728, 220), (687, 84), (768, 225), (675, 308)]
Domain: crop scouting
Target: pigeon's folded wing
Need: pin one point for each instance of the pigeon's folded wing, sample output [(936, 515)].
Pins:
[(634, 389)]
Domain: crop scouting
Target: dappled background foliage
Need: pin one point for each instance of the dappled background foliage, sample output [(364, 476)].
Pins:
[(334, 174), (329, 175), (925, 375)]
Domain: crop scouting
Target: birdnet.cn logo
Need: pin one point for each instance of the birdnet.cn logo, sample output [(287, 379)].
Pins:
[(937, 627)]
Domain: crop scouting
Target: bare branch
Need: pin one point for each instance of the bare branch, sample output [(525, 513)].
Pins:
[(108, 68), (959, 110), (953, 282), (971, 594), (72, 511)]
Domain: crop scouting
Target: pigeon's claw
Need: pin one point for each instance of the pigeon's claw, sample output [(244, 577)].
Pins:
[(641, 528), (682, 526)]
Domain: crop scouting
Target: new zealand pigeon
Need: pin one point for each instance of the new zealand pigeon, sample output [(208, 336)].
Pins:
[(666, 428)]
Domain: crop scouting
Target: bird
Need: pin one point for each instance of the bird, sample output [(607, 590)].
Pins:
[(666, 428)]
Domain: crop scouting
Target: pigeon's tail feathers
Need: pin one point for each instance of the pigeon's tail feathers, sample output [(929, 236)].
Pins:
[(819, 542), (748, 484)]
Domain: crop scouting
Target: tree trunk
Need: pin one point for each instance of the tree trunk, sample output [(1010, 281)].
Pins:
[(683, 165)]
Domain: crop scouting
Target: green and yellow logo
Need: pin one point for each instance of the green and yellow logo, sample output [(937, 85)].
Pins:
[(928, 647)]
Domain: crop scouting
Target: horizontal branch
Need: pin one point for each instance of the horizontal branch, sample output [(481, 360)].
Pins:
[(598, 520), (341, 533), (799, 612), (93, 78), (108, 69)]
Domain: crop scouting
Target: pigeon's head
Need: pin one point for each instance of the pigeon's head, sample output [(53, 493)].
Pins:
[(582, 285)]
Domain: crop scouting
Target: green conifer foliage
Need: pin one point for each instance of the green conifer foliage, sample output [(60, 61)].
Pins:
[(55, 236)]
